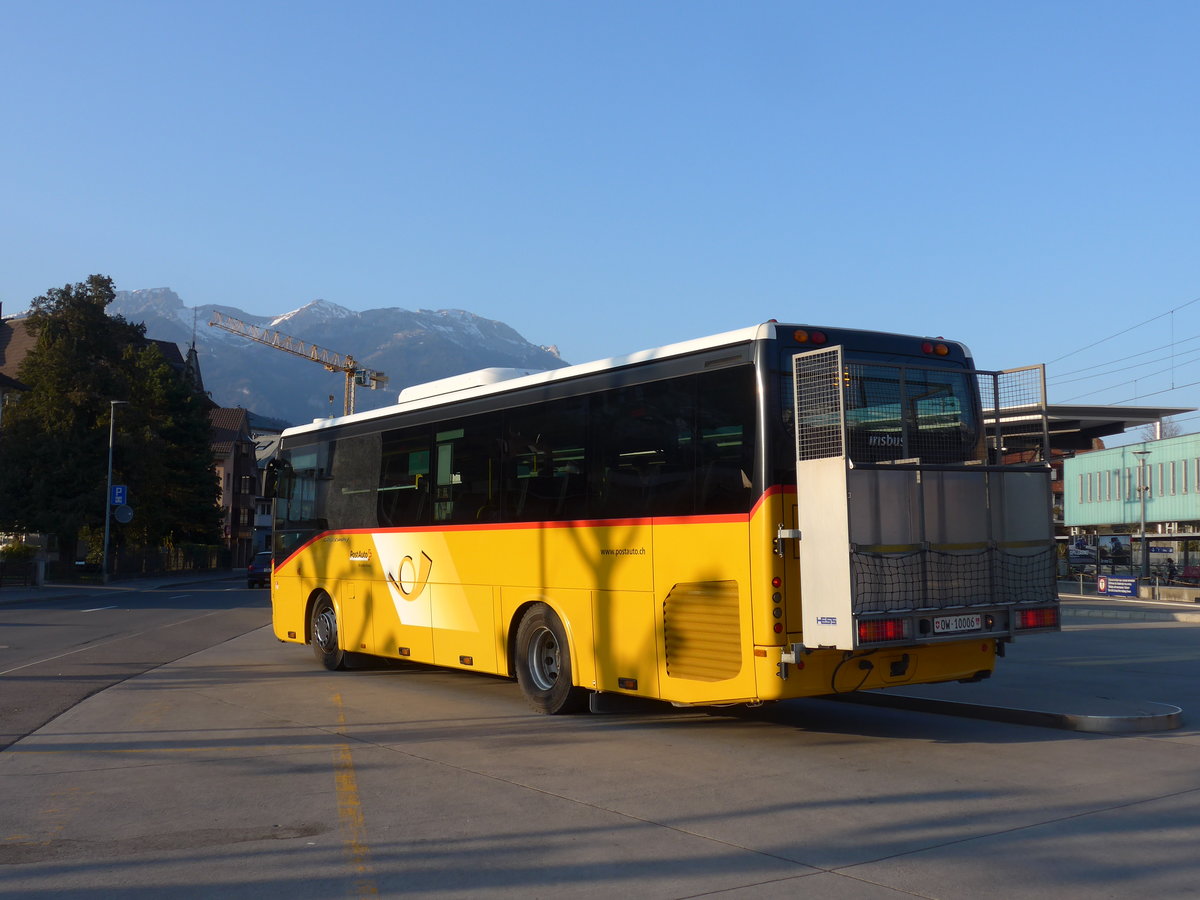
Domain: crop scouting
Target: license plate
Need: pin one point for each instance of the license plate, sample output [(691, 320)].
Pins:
[(951, 624)]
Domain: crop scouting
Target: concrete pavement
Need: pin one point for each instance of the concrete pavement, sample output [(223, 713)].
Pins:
[(246, 770), (1079, 707)]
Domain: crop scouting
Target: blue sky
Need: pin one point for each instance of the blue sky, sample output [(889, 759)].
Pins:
[(611, 176)]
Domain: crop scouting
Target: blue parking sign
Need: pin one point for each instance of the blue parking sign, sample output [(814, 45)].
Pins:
[(119, 495)]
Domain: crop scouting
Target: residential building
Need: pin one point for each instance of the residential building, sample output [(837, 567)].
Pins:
[(237, 471), (266, 434), (15, 344)]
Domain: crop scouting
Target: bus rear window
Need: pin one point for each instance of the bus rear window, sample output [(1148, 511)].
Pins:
[(903, 413), (896, 411)]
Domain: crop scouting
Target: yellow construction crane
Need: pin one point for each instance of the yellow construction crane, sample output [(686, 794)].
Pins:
[(334, 362)]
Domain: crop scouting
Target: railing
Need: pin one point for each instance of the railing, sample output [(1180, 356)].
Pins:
[(16, 574), (1083, 584), (133, 564)]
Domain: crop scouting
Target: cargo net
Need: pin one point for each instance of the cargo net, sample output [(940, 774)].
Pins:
[(936, 579)]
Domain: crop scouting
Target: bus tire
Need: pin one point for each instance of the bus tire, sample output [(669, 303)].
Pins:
[(323, 627), (543, 664)]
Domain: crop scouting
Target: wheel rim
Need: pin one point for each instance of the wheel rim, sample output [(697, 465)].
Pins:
[(325, 629), (545, 659)]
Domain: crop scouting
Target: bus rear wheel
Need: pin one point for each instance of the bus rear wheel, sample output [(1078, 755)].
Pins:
[(324, 631), (543, 664)]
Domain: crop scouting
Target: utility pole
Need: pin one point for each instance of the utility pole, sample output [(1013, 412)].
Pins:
[(1143, 489), (112, 417)]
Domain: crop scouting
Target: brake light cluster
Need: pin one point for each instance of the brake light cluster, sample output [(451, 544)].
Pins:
[(815, 338), (1043, 617), (873, 631)]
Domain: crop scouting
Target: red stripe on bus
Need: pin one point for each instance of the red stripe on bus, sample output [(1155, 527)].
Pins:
[(716, 519)]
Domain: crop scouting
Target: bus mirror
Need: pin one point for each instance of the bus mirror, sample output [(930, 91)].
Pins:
[(271, 478)]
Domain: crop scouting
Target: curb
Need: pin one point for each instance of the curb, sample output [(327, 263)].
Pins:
[(1128, 611), (1164, 718)]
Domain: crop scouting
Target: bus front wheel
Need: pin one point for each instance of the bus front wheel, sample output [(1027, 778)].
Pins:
[(543, 663), (324, 631)]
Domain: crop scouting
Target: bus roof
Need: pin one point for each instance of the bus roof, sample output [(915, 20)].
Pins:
[(485, 382)]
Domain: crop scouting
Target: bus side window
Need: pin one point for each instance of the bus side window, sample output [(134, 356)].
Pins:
[(725, 437), (646, 445), (544, 462), (404, 476), (467, 477), (352, 502), (301, 484)]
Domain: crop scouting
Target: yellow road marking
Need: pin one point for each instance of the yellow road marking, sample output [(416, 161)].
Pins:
[(350, 813)]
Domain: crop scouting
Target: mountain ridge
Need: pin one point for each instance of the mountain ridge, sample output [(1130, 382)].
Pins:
[(409, 346)]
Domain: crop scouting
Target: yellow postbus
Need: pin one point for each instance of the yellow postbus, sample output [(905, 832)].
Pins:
[(776, 512)]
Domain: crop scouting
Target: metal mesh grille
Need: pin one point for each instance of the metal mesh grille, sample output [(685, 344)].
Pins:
[(819, 404), (701, 631), (1014, 404), (1015, 388), (934, 579)]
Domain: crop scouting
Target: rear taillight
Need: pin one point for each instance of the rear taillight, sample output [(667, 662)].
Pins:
[(1043, 617), (803, 336), (874, 631)]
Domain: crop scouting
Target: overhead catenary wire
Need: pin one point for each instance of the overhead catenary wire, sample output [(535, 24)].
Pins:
[(1132, 381), (1118, 334), (1191, 356), (1140, 384), (1062, 378), (1139, 397)]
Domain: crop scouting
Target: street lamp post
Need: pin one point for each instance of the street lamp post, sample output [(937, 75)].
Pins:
[(112, 416), (1143, 489)]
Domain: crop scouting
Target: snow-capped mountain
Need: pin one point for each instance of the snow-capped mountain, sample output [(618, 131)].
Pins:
[(409, 346)]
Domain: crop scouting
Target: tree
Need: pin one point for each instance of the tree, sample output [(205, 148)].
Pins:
[(171, 439), (54, 447), (1161, 429)]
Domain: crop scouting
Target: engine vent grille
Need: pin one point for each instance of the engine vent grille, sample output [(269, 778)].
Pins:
[(703, 636)]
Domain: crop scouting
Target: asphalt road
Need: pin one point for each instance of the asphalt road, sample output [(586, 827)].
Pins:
[(243, 770), (56, 652)]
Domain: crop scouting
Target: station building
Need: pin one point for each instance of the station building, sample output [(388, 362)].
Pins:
[(1103, 493)]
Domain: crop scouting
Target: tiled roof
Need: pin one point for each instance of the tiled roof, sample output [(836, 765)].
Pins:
[(228, 426), (11, 384), (16, 340), (170, 352)]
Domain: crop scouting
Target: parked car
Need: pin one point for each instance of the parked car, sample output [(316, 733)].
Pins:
[(258, 573)]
